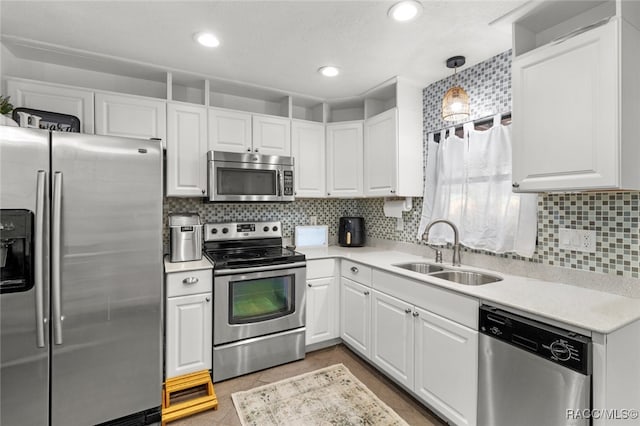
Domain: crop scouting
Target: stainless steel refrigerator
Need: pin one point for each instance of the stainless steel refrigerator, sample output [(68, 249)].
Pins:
[(80, 279)]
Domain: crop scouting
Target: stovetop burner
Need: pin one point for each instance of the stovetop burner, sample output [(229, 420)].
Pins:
[(242, 245)]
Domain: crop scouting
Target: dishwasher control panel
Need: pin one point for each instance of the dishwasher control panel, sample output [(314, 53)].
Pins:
[(561, 346)]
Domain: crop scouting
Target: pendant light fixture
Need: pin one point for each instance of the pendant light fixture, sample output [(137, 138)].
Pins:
[(455, 104)]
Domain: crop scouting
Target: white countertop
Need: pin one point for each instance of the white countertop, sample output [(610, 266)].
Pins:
[(195, 265), (569, 304)]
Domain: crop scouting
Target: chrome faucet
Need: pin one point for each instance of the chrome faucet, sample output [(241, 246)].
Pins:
[(456, 241)]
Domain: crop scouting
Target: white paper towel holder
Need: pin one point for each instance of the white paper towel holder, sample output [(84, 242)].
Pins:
[(393, 207)]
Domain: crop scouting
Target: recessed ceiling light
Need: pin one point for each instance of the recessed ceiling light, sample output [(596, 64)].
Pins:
[(405, 10), (206, 39), (329, 71)]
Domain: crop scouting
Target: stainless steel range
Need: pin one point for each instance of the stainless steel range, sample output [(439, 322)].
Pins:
[(259, 298)]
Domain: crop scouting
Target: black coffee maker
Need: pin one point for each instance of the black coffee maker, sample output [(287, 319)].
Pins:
[(351, 232)]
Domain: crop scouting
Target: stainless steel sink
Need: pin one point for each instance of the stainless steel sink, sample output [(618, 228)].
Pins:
[(423, 268), (467, 277)]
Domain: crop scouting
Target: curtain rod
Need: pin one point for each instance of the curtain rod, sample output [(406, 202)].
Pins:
[(477, 122)]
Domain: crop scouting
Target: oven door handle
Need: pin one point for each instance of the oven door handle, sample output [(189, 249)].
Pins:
[(280, 266)]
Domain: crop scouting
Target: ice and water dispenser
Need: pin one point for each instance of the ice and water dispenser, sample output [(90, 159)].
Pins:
[(16, 251)]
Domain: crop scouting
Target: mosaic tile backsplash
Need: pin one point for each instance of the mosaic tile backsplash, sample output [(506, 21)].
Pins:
[(299, 212), (613, 215)]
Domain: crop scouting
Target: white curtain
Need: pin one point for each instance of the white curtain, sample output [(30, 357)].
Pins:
[(473, 190)]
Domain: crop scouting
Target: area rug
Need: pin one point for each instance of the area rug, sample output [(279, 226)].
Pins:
[(329, 396)]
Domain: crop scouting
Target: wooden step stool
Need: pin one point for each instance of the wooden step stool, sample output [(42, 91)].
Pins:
[(188, 383)]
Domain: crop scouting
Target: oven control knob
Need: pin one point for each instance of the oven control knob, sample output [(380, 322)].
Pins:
[(265, 229), (214, 231), (274, 229), (560, 350), (225, 230)]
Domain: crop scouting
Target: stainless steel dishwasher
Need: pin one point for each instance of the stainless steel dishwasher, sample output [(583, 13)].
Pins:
[(531, 373)]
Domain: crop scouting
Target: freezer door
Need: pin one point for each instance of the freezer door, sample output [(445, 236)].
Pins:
[(107, 238), (24, 360)]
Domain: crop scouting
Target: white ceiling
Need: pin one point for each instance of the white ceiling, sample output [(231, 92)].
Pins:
[(274, 44)]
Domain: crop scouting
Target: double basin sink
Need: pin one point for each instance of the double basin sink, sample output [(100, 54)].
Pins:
[(457, 275)]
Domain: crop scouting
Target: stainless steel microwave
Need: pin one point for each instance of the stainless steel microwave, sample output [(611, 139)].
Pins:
[(250, 177)]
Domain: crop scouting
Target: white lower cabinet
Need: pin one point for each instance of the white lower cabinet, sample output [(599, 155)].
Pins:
[(355, 316), (446, 355), (322, 310), (188, 336), (392, 343), (188, 322)]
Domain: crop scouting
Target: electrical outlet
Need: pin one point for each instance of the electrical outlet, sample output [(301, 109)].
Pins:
[(583, 240), (587, 241), (313, 220)]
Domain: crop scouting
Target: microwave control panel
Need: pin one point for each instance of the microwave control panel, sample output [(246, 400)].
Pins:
[(288, 182)]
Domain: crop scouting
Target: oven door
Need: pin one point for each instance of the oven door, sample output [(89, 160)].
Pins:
[(235, 181), (252, 302)]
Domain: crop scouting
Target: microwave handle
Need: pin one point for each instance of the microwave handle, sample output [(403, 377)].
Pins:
[(280, 183)]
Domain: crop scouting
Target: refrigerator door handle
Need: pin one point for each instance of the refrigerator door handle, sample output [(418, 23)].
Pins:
[(41, 196), (56, 247)]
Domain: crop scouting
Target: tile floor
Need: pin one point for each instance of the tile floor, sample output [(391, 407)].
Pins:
[(400, 401)]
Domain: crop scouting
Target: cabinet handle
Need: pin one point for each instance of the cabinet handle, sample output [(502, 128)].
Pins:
[(328, 193), (309, 285), (203, 191), (515, 185), (393, 191), (354, 269), (407, 311), (366, 293), (415, 314), (256, 150), (208, 299), (190, 280), (248, 149)]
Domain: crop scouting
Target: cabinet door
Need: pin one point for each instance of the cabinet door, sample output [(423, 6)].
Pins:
[(446, 355), (131, 116), (309, 151), (322, 310), (54, 98), (229, 131), (392, 337), (188, 334), (271, 135), (565, 108), (186, 150), (380, 154), (355, 316), (344, 159)]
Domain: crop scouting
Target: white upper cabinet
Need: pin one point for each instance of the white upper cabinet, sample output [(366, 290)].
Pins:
[(238, 131), (130, 116), (186, 150), (53, 98), (380, 143), (575, 104), (229, 130), (309, 152), (344, 159), (393, 148), (271, 135)]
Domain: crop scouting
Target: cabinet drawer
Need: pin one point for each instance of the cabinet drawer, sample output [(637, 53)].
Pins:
[(356, 272), (191, 282), (320, 268)]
